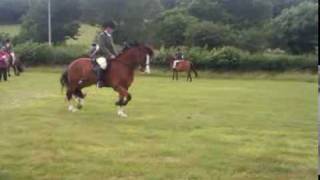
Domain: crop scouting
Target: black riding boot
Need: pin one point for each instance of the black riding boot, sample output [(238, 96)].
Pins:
[(100, 73)]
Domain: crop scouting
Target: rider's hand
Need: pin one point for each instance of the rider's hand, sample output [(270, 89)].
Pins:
[(112, 57)]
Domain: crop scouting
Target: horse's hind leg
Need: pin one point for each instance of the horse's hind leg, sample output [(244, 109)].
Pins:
[(124, 99), (16, 71), (1, 72), (173, 74), (5, 75), (189, 77), (69, 98), (8, 71), (80, 98)]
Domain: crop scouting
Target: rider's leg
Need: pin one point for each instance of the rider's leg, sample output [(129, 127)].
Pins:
[(100, 73), (102, 66), (174, 64)]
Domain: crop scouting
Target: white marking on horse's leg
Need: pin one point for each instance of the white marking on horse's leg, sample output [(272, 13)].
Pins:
[(71, 108), (121, 112), (148, 70), (81, 101)]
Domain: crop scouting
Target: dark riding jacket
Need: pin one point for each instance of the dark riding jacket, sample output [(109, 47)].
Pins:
[(106, 45), (179, 56)]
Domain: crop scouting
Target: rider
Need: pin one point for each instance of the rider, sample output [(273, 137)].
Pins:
[(8, 48), (178, 58), (103, 49)]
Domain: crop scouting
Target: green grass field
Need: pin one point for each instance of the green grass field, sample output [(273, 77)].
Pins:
[(86, 35), (12, 30), (217, 128)]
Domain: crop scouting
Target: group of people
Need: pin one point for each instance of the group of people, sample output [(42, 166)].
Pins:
[(103, 50)]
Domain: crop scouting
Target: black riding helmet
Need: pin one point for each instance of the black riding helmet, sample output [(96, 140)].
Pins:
[(109, 24)]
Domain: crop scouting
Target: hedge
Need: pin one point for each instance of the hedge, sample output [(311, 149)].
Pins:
[(226, 58), (230, 58), (43, 54)]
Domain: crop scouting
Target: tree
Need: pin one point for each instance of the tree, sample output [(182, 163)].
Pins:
[(296, 29), (208, 34), (171, 27), (254, 39), (208, 10), (12, 10), (169, 4), (279, 5), (65, 15), (131, 16), (247, 13)]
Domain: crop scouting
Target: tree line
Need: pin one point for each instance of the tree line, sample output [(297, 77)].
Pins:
[(251, 25)]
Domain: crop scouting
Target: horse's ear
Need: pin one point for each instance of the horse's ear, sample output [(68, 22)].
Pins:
[(134, 44), (149, 50)]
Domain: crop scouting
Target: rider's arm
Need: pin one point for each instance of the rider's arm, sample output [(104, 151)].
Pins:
[(103, 45), (111, 46)]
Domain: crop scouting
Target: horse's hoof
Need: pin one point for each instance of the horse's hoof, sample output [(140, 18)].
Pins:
[(79, 107), (122, 114), (72, 109)]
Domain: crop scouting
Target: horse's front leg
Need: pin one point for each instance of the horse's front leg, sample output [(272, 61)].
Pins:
[(8, 71), (15, 70), (124, 98)]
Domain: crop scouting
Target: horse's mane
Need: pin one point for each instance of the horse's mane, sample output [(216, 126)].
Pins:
[(133, 46)]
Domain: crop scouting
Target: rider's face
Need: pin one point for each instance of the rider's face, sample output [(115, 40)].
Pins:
[(109, 30)]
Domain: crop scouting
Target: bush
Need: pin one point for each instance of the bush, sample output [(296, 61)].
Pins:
[(230, 58), (42, 54)]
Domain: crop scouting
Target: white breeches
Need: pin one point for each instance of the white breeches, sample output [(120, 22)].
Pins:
[(102, 62), (175, 63)]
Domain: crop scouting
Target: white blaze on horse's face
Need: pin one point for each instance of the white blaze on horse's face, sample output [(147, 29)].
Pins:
[(147, 70)]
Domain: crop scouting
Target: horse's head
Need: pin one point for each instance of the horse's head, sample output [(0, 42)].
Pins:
[(140, 55)]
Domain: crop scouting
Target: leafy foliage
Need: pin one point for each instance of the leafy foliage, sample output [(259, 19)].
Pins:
[(65, 15), (11, 11), (230, 58), (296, 29), (208, 34)]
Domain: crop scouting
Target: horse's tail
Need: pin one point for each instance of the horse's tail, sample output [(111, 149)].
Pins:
[(194, 70), (64, 80), (20, 67)]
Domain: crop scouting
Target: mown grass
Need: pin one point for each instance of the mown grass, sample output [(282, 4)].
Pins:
[(86, 35), (210, 129), (12, 30)]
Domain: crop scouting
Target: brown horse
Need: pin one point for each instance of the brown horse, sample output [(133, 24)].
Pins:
[(183, 66), (119, 76), (16, 66)]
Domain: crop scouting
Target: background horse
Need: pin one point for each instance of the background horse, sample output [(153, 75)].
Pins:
[(119, 76), (17, 66), (183, 66)]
